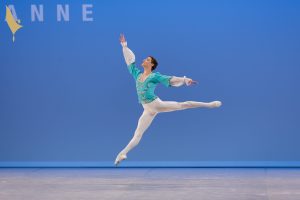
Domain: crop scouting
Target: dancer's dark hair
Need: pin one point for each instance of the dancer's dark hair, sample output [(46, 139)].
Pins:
[(154, 62)]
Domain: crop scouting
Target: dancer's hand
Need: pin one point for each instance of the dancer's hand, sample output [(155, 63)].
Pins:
[(122, 38), (191, 82)]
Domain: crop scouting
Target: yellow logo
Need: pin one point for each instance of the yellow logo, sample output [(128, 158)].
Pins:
[(12, 23)]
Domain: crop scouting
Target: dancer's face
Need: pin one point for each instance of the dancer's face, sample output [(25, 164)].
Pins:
[(147, 63)]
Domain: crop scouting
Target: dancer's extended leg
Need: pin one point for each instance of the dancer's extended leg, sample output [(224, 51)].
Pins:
[(168, 106), (143, 123)]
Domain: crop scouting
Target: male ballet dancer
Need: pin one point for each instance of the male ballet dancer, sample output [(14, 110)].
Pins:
[(146, 83)]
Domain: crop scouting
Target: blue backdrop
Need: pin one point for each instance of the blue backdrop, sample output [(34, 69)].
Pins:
[(67, 98)]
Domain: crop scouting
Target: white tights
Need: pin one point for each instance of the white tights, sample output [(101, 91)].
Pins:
[(157, 106)]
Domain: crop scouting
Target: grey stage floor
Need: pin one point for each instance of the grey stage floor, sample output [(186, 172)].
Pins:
[(149, 183)]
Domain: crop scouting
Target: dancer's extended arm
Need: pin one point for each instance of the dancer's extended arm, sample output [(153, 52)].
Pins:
[(173, 80), (179, 81)]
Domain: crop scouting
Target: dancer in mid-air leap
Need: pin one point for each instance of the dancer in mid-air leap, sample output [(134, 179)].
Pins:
[(146, 83)]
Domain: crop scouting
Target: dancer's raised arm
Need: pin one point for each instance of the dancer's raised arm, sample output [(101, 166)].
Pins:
[(129, 58), (128, 54)]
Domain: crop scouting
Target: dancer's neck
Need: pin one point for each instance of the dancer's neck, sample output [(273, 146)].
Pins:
[(147, 72)]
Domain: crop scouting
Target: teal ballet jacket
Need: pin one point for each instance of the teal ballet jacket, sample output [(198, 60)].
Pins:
[(145, 90)]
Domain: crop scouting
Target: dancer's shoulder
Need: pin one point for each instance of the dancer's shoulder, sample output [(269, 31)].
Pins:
[(158, 74)]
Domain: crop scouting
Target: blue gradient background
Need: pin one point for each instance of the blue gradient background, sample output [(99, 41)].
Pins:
[(66, 95)]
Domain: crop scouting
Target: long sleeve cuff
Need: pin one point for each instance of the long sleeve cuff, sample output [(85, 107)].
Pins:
[(124, 44)]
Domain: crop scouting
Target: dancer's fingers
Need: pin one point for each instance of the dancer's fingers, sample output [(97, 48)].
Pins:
[(192, 82)]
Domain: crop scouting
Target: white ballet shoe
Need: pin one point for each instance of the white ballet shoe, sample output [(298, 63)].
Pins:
[(119, 158), (216, 104)]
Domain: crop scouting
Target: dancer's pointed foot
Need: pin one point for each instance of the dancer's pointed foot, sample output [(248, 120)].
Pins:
[(119, 158), (216, 104)]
